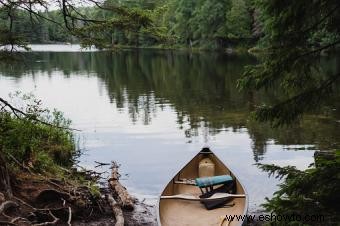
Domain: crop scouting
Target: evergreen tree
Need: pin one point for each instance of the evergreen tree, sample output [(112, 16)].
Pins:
[(238, 20), (292, 58)]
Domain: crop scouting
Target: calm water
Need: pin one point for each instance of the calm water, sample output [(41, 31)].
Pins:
[(152, 111)]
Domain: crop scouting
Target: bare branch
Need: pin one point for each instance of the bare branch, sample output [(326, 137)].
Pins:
[(17, 112)]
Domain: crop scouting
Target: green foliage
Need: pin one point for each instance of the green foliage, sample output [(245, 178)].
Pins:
[(26, 29), (315, 191), (209, 24), (238, 23), (296, 33), (98, 25), (94, 189), (200, 23), (191, 23), (32, 143)]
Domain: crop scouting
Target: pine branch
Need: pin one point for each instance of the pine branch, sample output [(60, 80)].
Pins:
[(279, 172), (318, 23)]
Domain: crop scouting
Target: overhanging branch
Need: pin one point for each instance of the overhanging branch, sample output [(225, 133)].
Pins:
[(17, 112)]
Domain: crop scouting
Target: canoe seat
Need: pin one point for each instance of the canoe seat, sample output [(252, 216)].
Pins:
[(212, 181)]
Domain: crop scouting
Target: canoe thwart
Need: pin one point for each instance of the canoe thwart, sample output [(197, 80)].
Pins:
[(186, 181), (206, 181), (212, 181), (216, 196)]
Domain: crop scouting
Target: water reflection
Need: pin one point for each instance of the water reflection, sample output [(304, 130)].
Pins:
[(152, 110), (201, 88)]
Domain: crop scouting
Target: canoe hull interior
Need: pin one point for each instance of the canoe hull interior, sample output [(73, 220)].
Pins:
[(175, 212)]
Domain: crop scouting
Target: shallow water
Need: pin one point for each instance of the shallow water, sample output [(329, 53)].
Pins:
[(152, 111)]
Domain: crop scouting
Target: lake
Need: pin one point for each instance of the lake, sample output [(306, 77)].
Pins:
[(152, 111)]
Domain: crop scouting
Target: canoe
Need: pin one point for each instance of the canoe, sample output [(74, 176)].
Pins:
[(181, 202)]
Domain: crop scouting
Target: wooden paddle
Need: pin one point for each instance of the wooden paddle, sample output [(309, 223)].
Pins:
[(216, 196)]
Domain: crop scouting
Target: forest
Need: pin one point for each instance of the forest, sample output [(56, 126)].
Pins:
[(188, 23), (203, 24)]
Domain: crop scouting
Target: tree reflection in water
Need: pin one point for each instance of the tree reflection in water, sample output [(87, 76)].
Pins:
[(200, 87)]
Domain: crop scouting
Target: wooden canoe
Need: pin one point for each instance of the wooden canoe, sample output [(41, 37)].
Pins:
[(187, 211)]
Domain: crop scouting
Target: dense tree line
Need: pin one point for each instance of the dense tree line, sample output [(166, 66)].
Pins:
[(208, 24), (40, 31), (189, 23), (91, 23)]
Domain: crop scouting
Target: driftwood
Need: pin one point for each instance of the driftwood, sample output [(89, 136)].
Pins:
[(119, 191), (117, 211), (100, 164)]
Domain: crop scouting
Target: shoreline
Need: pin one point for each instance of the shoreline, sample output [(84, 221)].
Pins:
[(36, 199), (228, 51)]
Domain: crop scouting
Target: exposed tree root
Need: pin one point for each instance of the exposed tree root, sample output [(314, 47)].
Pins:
[(55, 221), (7, 205), (69, 216), (39, 201), (18, 219), (2, 197)]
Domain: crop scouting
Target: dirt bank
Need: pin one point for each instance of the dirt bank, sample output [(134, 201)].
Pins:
[(39, 200)]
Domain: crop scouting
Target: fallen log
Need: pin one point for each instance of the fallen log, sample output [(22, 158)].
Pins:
[(117, 211), (119, 191)]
